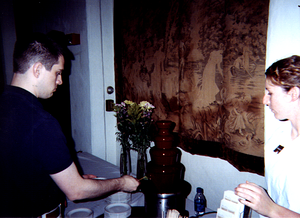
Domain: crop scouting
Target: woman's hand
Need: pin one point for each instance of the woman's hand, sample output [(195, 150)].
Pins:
[(256, 198)]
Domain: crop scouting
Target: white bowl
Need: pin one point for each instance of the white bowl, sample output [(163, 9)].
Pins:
[(119, 197), (117, 210), (80, 212)]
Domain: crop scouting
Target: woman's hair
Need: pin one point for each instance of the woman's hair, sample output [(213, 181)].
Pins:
[(285, 73), (35, 48)]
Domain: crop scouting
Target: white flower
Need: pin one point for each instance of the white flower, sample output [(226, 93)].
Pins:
[(128, 102), (146, 105)]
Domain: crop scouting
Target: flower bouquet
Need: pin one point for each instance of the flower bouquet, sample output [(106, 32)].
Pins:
[(134, 122)]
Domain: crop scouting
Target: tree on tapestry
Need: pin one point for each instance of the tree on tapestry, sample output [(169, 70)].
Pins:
[(201, 63)]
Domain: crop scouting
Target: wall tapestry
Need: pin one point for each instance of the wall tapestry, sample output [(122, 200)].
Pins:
[(201, 63)]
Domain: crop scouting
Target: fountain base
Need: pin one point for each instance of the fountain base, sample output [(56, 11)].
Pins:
[(157, 204)]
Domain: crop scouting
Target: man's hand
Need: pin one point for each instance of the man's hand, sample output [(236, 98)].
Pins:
[(128, 183)]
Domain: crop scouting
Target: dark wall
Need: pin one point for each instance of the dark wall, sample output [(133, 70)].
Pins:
[(35, 16), (2, 73)]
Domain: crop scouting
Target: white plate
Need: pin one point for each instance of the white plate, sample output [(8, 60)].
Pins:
[(117, 210), (80, 212)]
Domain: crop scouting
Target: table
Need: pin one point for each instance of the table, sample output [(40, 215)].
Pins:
[(93, 165)]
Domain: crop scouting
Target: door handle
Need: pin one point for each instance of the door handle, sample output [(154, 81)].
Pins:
[(110, 90), (109, 104)]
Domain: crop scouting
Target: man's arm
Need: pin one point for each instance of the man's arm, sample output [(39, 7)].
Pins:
[(75, 187)]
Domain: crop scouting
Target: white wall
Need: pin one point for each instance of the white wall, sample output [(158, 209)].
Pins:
[(80, 96), (215, 176)]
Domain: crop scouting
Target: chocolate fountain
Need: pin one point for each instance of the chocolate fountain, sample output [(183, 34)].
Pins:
[(166, 188)]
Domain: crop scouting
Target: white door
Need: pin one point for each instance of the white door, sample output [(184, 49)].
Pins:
[(112, 147), (101, 64)]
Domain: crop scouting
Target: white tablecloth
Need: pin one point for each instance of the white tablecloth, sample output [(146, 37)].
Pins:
[(101, 168)]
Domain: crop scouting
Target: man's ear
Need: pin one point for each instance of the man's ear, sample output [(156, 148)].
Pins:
[(294, 92), (36, 68)]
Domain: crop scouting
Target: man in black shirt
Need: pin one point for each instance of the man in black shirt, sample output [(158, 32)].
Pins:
[(37, 171)]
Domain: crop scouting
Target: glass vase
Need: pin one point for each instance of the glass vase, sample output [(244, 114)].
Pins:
[(125, 162), (141, 170)]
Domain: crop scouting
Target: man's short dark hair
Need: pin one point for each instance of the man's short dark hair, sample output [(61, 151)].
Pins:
[(35, 48)]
